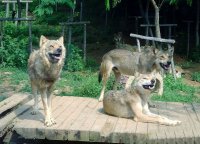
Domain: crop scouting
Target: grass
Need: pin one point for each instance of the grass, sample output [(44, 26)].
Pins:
[(196, 76), (177, 91), (85, 84)]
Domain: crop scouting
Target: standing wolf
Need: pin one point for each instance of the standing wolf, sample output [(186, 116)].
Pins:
[(44, 67), (126, 62)]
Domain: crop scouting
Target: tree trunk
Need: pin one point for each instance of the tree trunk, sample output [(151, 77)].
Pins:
[(197, 23), (156, 19)]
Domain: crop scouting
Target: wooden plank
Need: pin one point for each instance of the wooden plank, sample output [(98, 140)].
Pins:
[(5, 121), (152, 129), (75, 23), (13, 102), (74, 132), (162, 131), (141, 133), (129, 131), (153, 38), (95, 134), (89, 122), (11, 98), (17, 19), (192, 116), (83, 119), (183, 133), (65, 119), (118, 135), (28, 125), (162, 25), (59, 111)]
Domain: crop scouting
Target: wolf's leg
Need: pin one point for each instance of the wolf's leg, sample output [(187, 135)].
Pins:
[(129, 81), (106, 69), (47, 112), (34, 91), (141, 117), (117, 79), (146, 109), (160, 87), (49, 102)]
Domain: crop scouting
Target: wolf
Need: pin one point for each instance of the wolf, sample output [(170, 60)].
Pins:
[(133, 101), (126, 62), (44, 68)]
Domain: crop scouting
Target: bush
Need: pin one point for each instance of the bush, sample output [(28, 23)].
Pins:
[(74, 60), (196, 76), (14, 52)]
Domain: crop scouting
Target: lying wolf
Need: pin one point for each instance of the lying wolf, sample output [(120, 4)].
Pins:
[(129, 63), (133, 102), (44, 67)]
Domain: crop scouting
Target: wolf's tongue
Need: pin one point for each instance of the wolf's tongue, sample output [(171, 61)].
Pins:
[(56, 57)]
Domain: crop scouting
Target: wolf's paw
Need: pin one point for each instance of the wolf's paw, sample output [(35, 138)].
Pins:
[(53, 120), (174, 122), (49, 121)]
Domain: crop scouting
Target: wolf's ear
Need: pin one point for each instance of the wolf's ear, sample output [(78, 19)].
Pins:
[(171, 50), (43, 40), (61, 40)]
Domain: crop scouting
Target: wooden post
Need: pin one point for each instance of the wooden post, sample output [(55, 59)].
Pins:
[(172, 64), (7, 10), (69, 24), (63, 31), (1, 36), (138, 44), (30, 36), (147, 34), (84, 43), (26, 9), (69, 40), (81, 11), (170, 32), (188, 37)]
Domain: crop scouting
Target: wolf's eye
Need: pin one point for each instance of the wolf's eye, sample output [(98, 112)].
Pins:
[(51, 46), (162, 57)]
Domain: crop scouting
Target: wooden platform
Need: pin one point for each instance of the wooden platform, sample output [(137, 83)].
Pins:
[(83, 119)]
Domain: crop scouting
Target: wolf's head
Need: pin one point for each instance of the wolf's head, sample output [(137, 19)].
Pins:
[(163, 58), (145, 82), (52, 51)]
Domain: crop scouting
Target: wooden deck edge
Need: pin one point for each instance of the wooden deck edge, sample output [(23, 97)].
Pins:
[(12, 103), (7, 121)]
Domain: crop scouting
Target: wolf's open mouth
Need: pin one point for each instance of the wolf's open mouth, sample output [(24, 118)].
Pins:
[(55, 56), (151, 86), (165, 66)]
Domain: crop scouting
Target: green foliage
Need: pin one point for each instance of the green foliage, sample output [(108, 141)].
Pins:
[(46, 6), (175, 2), (14, 49), (196, 76), (90, 88), (177, 91), (114, 3), (75, 61)]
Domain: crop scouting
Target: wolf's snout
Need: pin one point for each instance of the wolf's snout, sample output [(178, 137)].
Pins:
[(153, 81), (59, 50), (168, 63)]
